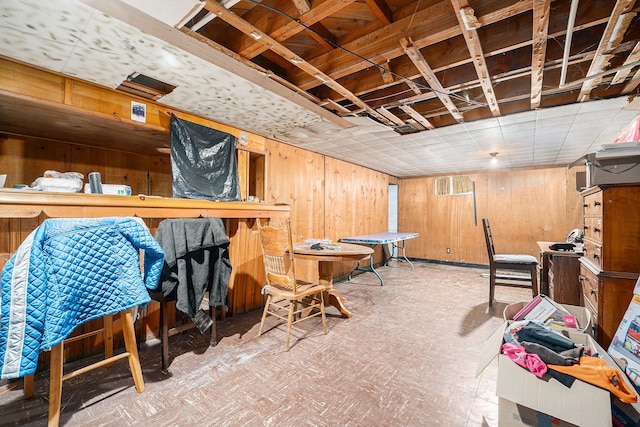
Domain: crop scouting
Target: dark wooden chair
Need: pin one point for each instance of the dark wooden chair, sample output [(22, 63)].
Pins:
[(510, 262)]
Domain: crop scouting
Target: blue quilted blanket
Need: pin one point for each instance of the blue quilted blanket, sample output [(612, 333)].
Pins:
[(68, 272)]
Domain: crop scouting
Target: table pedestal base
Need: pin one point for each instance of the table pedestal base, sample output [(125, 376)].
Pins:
[(333, 297)]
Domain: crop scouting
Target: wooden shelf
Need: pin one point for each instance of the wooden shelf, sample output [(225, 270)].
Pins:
[(30, 204), (28, 116)]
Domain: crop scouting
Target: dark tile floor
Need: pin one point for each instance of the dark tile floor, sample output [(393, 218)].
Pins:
[(407, 357)]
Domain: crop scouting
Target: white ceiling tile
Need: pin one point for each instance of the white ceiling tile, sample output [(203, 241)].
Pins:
[(526, 116), (518, 127), (482, 124), (171, 12), (563, 110)]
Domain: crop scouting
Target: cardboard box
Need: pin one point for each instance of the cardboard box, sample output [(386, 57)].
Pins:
[(582, 315), (513, 415), (583, 404)]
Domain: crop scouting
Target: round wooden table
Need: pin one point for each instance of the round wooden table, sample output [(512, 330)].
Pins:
[(326, 258)]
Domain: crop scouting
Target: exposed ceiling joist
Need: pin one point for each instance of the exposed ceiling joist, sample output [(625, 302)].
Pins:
[(414, 54), (390, 116), (381, 11), (285, 28), (632, 84), (417, 116), (348, 63), (330, 104), (303, 6), (541, 10), (429, 26), (475, 50), (414, 87), (622, 74), (619, 21), (251, 31)]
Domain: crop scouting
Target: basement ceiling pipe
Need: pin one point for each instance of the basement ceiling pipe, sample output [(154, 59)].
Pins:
[(567, 40)]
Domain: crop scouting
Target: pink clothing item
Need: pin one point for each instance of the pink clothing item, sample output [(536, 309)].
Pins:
[(530, 361)]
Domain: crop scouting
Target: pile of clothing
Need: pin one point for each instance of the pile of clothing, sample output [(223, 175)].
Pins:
[(544, 351)]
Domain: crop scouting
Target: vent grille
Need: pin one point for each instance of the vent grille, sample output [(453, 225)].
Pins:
[(406, 129), (145, 87)]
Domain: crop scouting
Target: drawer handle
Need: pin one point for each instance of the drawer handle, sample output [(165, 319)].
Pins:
[(596, 203), (596, 256), (592, 291), (596, 230), (586, 205), (586, 228)]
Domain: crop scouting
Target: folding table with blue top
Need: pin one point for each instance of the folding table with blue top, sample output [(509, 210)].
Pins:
[(381, 239)]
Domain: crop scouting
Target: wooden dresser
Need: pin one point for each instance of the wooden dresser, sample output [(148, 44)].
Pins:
[(611, 262), (559, 273)]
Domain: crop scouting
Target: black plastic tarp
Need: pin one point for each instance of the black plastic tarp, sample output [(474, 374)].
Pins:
[(203, 162)]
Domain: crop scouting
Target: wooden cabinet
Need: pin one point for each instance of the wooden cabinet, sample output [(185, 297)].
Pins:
[(610, 265), (559, 274)]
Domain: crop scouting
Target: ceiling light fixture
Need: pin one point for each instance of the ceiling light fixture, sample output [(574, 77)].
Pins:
[(320, 77), (255, 35), (494, 158)]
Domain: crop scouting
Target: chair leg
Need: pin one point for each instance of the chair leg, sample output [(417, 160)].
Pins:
[(55, 384), (292, 306), (264, 314), (27, 390), (128, 331), (534, 280), (492, 285), (213, 339), (164, 334), (107, 325), (324, 318)]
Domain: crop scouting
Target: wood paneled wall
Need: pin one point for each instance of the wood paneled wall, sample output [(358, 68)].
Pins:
[(522, 205), (329, 197)]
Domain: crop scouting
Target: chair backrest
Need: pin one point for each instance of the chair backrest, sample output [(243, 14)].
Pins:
[(488, 237), (277, 253)]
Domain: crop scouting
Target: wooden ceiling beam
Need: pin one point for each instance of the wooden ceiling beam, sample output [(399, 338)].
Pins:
[(250, 30), (622, 74), (429, 26), (632, 84), (413, 86), (368, 81), (285, 28), (381, 11), (421, 64), (619, 21), (541, 10), (323, 36), (475, 49), (303, 6), (417, 116), (390, 116), (514, 74)]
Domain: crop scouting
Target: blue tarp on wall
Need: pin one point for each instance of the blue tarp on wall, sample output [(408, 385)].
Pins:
[(203, 162)]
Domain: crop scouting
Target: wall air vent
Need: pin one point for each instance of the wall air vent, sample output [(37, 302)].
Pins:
[(145, 87)]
